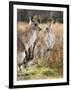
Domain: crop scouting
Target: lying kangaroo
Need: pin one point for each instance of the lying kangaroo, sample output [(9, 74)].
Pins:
[(25, 40)]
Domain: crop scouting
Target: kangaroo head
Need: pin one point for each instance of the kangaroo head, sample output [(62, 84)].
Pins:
[(48, 28), (34, 23)]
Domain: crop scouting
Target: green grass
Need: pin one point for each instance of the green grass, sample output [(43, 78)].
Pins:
[(40, 72)]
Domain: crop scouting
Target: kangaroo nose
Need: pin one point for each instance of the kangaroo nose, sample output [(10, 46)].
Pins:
[(47, 28), (40, 29)]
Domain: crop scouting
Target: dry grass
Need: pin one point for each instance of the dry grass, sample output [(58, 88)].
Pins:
[(22, 26), (58, 30), (43, 68)]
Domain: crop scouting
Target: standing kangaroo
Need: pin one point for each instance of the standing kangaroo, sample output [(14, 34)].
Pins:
[(45, 42), (26, 40), (49, 37)]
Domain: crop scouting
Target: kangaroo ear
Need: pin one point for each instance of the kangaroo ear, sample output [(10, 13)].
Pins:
[(38, 20), (31, 17), (49, 25)]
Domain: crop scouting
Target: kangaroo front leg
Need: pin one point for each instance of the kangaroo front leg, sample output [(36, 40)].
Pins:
[(31, 51), (26, 51), (25, 60), (33, 47)]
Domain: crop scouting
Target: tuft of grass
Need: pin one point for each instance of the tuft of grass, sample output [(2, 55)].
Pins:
[(49, 73)]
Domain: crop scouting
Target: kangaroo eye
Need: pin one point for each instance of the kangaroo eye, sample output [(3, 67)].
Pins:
[(47, 28), (40, 29), (35, 24)]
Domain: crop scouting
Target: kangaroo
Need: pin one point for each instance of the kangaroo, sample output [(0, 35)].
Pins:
[(26, 39), (44, 43), (49, 37)]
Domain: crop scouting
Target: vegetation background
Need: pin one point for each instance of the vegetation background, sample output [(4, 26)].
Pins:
[(47, 68)]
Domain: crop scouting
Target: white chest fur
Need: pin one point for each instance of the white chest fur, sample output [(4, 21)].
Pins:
[(32, 39), (50, 39)]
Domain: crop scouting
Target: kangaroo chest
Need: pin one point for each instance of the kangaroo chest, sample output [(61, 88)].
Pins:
[(32, 39)]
